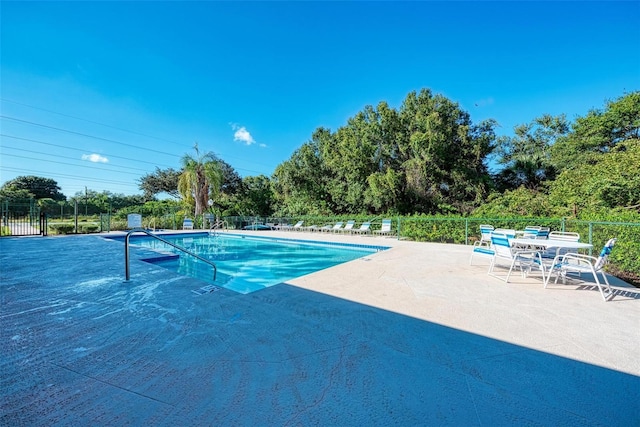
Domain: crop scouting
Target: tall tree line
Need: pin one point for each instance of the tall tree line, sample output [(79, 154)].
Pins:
[(425, 157)]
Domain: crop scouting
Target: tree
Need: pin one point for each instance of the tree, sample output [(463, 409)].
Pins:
[(612, 182), (599, 132), (201, 176), (160, 181), (299, 184), (443, 155), (427, 157), (257, 196), (38, 187), (526, 156)]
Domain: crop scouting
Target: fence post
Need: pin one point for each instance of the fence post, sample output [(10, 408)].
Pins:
[(75, 214), (43, 224), (399, 227), (466, 231)]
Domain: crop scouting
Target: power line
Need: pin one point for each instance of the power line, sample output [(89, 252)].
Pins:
[(69, 164), (120, 129), (76, 177), (85, 135), (81, 150), (110, 155), (93, 122), (70, 158)]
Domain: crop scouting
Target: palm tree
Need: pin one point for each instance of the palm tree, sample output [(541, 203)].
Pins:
[(201, 175)]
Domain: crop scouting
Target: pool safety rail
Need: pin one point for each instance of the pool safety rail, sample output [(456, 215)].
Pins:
[(180, 248)]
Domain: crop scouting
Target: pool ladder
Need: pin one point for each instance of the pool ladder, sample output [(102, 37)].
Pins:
[(180, 248), (218, 225)]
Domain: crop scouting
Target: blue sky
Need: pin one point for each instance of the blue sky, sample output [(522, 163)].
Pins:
[(97, 94)]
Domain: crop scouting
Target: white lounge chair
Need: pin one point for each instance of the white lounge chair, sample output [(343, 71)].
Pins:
[(336, 227), (365, 228), (573, 263), (292, 227), (348, 227), (187, 224), (385, 229)]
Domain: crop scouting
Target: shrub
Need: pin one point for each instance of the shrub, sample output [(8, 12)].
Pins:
[(89, 228), (62, 228)]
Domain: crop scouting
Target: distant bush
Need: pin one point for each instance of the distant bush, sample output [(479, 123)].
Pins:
[(89, 228), (62, 228)]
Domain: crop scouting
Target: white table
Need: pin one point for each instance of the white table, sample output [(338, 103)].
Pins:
[(547, 244)]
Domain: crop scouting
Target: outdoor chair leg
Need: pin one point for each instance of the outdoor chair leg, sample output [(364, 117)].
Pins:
[(602, 292)]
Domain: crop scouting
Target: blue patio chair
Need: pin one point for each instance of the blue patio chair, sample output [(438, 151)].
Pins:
[(485, 234), (521, 258), (482, 250), (187, 224), (543, 233), (573, 263), (510, 233)]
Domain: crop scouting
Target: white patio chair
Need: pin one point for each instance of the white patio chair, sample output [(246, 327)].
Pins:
[(521, 258), (385, 229), (485, 234), (573, 263), (482, 250), (482, 247), (560, 235), (531, 231), (187, 224), (510, 233), (543, 233), (564, 235)]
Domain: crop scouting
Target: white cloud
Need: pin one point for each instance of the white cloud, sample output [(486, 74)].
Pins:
[(95, 158), (242, 134)]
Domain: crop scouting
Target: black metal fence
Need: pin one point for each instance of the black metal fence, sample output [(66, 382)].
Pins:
[(19, 224)]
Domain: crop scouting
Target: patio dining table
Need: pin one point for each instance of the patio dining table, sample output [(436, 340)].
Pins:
[(547, 244)]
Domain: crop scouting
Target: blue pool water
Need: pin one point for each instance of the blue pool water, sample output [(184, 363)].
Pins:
[(247, 264)]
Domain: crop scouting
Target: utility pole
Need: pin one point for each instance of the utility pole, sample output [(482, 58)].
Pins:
[(86, 200)]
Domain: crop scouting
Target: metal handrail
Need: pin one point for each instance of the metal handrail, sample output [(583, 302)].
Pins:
[(148, 233), (219, 223)]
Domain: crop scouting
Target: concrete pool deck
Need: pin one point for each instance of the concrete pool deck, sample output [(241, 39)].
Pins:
[(409, 336)]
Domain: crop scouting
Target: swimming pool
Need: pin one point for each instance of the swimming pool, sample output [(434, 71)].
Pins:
[(246, 263)]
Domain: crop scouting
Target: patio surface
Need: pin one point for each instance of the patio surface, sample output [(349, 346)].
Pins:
[(409, 336)]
